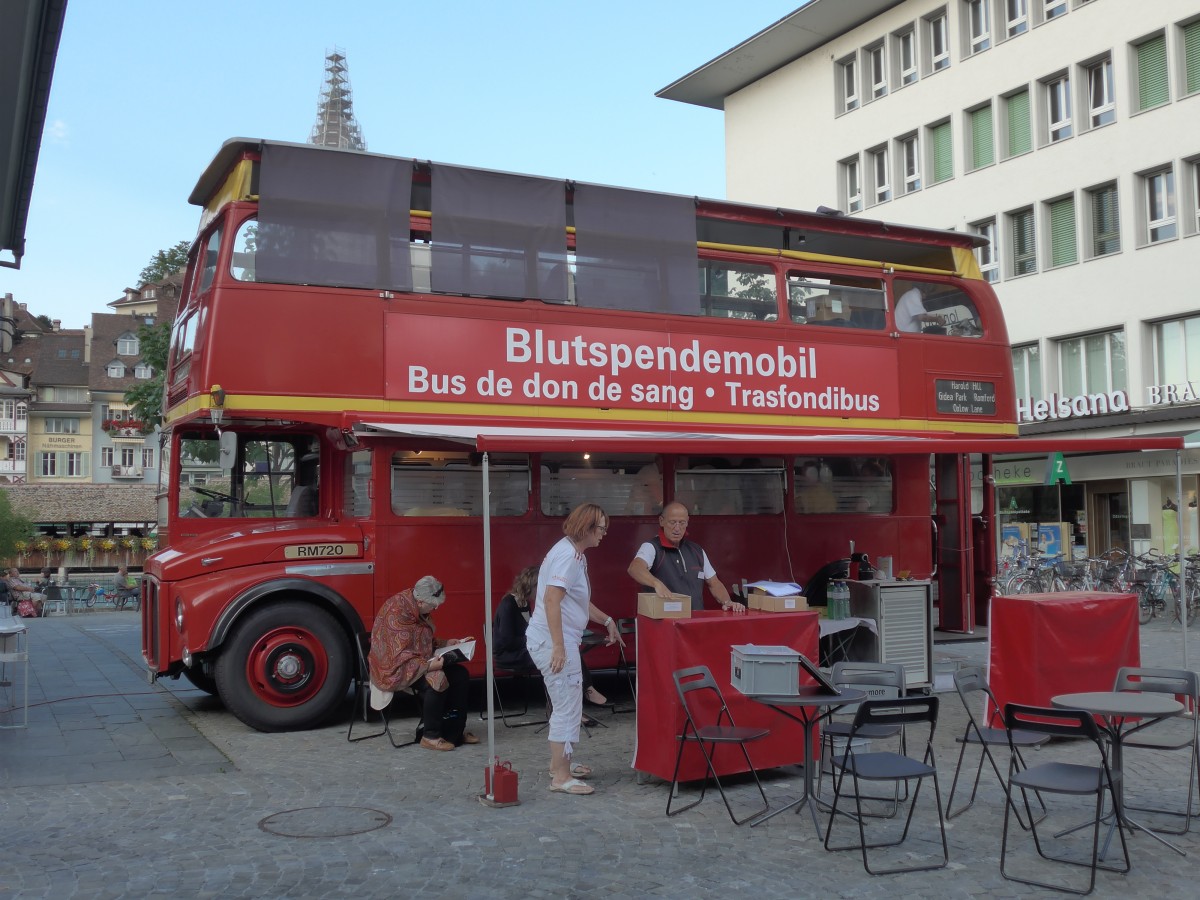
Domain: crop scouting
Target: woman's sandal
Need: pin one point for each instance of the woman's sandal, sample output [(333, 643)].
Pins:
[(579, 770), (572, 786), (591, 693)]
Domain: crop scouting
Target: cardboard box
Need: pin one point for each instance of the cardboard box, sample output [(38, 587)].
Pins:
[(767, 603), (764, 670), (655, 607)]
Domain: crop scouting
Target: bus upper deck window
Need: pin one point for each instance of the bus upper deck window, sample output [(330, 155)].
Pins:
[(241, 264), (935, 308), (738, 291), (209, 260), (836, 300)]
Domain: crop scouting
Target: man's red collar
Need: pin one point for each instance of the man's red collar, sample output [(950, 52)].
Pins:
[(664, 540)]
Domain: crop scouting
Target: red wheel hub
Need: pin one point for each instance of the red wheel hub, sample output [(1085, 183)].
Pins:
[(287, 666)]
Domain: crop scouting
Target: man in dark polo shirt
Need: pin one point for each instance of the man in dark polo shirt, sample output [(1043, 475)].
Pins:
[(671, 564)]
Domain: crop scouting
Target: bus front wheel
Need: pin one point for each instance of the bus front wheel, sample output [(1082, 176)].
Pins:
[(284, 668)]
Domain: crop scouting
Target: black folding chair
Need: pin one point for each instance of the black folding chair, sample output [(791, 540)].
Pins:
[(362, 700), (1171, 734), (626, 627), (689, 685), (885, 765), (522, 677), (971, 684), (1073, 778)]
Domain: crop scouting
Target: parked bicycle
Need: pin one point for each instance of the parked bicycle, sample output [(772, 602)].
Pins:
[(1157, 588)]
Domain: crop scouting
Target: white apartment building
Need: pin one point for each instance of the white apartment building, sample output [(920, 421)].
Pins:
[(1065, 131)]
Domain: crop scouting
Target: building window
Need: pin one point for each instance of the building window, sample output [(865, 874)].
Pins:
[(905, 43), (1160, 205), (881, 185), (1052, 9), (1102, 107), (941, 153), (852, 184), (877, 62), (62, 426), (1105, 220), (988, 255), (141, 370), (1092, 364), (937, 41), (1058, 108), (48, 465), (22, 411), (1061, 214), (127, 345), (1191, 57), (1177, 351), (1023, 260), (1017, 14), (19, 449), (981, 149), (106, 457), (1194, 168), (1151, 88), (147, 457), (127, 456), (1019, 137), (979, 24), (1027, 367), (847, 84), (116, 370), (75, 465), (910, 159)]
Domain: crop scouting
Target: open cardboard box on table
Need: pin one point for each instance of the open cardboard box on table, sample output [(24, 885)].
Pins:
[(679, 606)]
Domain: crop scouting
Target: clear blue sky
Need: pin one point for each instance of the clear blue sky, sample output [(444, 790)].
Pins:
[(145, 92)]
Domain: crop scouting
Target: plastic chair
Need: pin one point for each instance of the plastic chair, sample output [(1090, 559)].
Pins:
[(689, 683), (1167, 735), (362, 699), (1072, 778), (891, 766), (881, 681), (55, 603), (971, 684)]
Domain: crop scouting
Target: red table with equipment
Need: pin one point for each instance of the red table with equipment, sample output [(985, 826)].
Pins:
[(666, 645), (1062, 643)]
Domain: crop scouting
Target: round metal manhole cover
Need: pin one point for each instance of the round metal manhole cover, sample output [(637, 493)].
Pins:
[(324, 821)]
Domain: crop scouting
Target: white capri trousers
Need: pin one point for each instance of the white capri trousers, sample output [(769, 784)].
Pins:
[(565, 690)]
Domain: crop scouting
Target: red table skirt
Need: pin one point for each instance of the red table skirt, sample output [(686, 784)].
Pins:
[(1061, 643), (666, 645)]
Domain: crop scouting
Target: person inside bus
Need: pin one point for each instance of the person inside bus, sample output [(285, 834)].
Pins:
[(911, 314), (671, 564), (402, 659), (812, 496), (509, 625)]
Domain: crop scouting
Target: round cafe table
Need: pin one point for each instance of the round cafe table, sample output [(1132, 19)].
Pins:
[(812, 705), (1121, 714)]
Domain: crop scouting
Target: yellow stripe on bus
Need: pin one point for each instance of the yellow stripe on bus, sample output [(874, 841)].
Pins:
[(272, 404)]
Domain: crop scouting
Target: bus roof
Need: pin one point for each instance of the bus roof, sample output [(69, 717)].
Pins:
[(833, 221)]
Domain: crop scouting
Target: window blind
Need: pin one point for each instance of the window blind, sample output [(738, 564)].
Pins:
[(943, 154), (1062, 232), (1152, 72), (1019, 135), (1191, 56), (981, 138)]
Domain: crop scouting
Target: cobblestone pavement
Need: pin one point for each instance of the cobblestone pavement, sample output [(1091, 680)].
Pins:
[(119, 788)]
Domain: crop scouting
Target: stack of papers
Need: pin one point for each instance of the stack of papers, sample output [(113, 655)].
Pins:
[(778, 588)]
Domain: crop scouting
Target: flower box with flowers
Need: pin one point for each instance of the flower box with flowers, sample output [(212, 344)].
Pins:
[(124, 427)]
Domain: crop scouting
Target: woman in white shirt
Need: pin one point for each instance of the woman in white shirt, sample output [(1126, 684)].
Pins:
[(560, 615)]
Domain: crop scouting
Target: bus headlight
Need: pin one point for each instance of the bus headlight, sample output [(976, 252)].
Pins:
[(179, 614)]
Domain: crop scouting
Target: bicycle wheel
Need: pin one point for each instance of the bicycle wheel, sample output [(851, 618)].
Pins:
[(1145, 606), (1191, 605), (1025, 584)]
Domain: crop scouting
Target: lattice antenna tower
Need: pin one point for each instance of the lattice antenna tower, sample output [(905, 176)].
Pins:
[(336, 125)]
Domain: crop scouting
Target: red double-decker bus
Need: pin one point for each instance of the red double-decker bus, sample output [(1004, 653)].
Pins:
[(401, 368)]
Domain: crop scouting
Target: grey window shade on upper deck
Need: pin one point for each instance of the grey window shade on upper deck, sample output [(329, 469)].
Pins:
[(635, 250), (498, 235), (335, 218)]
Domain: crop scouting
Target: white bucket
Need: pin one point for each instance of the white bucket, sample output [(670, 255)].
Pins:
[(884, 565)]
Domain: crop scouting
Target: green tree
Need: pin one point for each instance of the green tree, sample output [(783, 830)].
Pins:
[(146, 398), (13, 527), (164, 263)]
